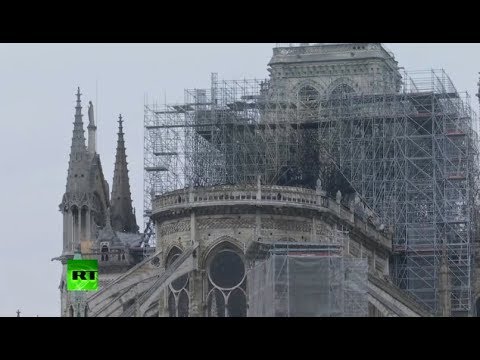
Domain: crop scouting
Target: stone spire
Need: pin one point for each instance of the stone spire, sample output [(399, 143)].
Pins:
[(122, 216), (78, 150), (78, 138)]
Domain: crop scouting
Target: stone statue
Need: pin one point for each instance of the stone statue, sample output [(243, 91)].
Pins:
[(356, 199), (339, 197), (108, 224), (90, 113), (319, 184)]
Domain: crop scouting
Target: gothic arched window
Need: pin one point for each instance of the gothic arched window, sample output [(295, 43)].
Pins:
[(308, 97), (226, 283), (173, 254), (76, 225), (341, 91), (70, 311)]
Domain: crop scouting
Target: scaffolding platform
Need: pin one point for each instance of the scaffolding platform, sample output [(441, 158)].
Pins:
[(261, 250)]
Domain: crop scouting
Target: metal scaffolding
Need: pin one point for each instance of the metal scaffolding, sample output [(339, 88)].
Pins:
[(318, 278), (411, 153), (290, 285)]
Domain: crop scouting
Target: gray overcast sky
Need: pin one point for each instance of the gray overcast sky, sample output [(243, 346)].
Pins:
[(37, 96)]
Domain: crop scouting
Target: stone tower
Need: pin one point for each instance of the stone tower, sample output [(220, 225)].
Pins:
[(85, 200), (307, 81), (311, 71), (122, 215)]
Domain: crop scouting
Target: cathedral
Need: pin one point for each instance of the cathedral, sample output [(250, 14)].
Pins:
[(307, 194), (97, 224)]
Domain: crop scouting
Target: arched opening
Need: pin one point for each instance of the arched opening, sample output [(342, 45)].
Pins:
[(152, 310), (180, 283), (75, 229), (341, 91), (226, 269), (215, 304), (70, 311), (183, 303), (308, 97), (86, 311), (339, 101), (226, 282), (173, 254), (477, 307), (83, 223), (172, 311), (104, 253), (237, 303)]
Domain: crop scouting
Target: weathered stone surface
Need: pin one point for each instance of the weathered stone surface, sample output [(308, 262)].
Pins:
[(238, 232)]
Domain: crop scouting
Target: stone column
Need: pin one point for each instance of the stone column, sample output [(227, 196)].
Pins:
[(193, 232), (88, 229), (190, 194), (71, 231), (314, 230), (195, 286), (80, 226), (63, 291), (65, 230), (196, 294)]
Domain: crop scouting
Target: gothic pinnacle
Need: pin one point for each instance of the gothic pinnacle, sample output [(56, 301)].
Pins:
[(120, 126), (123, 218), (78, 137)]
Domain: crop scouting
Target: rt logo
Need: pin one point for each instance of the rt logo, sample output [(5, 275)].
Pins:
[(82, 275)]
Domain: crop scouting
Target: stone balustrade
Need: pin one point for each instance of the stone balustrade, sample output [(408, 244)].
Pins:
[(266, 195), (280, 194)]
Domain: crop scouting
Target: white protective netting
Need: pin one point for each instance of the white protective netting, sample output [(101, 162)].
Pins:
[(293, 286)]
